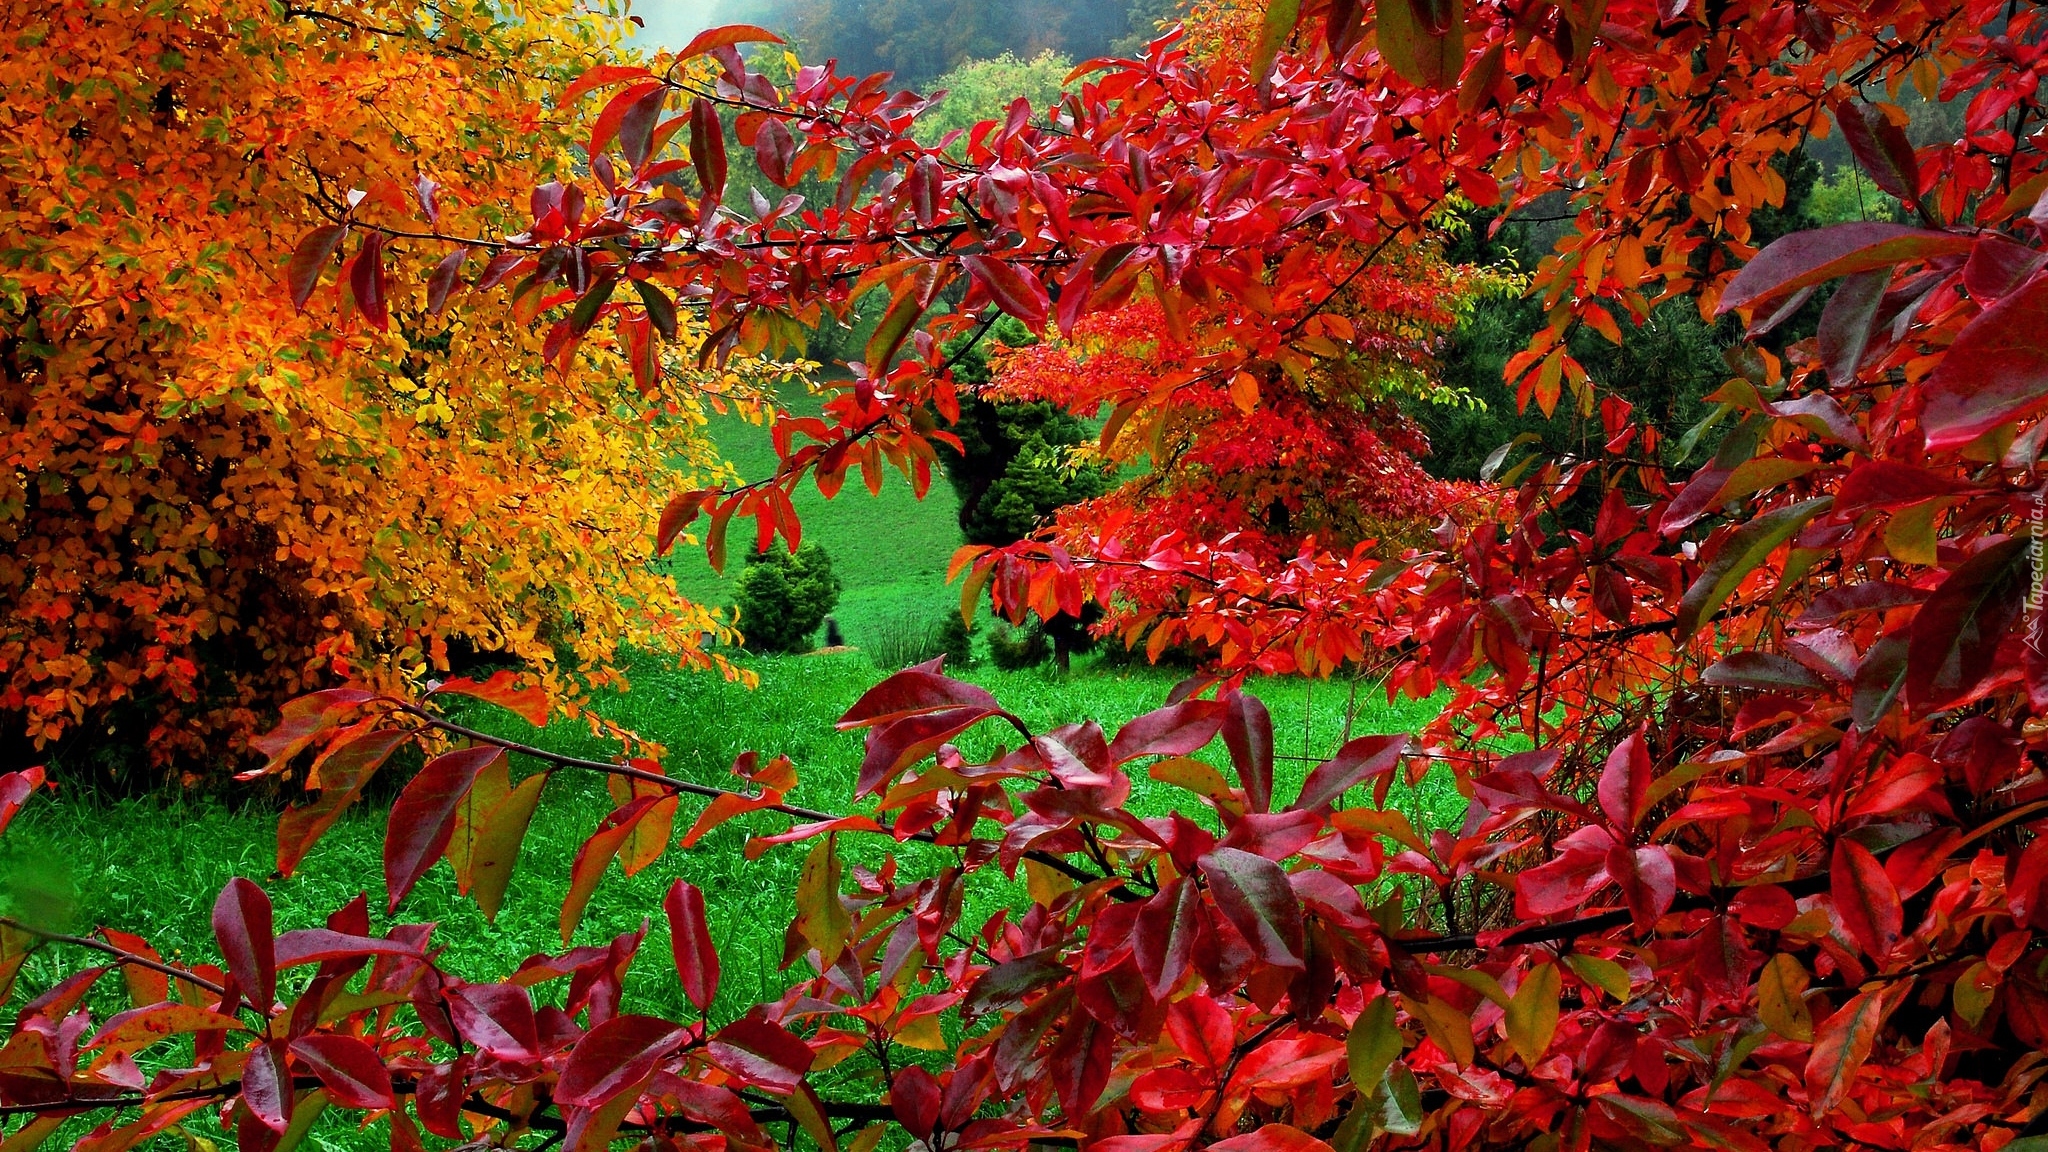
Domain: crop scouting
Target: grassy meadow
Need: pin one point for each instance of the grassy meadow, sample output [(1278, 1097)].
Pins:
[(153, 865), (889, 550)]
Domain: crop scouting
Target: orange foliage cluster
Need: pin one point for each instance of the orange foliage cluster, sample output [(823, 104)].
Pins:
[(213, 500)]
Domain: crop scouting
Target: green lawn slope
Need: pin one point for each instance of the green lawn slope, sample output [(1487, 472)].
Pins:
[(889, 550)]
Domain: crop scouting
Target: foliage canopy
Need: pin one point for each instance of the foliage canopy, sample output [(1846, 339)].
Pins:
[(216, 500), (1754, 854)]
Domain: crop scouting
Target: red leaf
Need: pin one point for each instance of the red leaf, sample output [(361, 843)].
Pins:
[(314, 252), (441, 1092), (690, 940), (1996, 371), (1175, 730), (1164, 940), (1847, 321), (1254, 896), (1999, 264), (1839, 1050), (446, 275), (497, 1019), (775, 152), (1625, 782), (914, 1097), (1292, 1062), (423, 817), (707, 152), (1203, 1032), (1248, 733), (1272, 1138), (598, 77), (267, 1087), (761, 1054), (349, 1069), (607, 125), (1801, 259), (242, 927), (898, 744), (529, 703), (1864, 898), (1881, 147), (615, 1056), (1954, 641), (343, 772), (725, 37), (322, 945), (1647, 878), (366, 281), (1079, 1063), (1015, 290), (1887, 484), (1360, 759), (597, 853), (636, 127), (15, 788), (912, 692), (680, 513)]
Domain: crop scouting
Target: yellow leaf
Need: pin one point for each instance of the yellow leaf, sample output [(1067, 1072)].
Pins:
[(923, 1034), (1605, 975), (1532, 1013), (1044, 883), (1448, 1028), (1909, 533), (1780, 1002)]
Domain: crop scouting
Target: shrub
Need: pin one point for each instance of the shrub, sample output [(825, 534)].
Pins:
[(956, 640), (1012, 648), (216, 500), (783, 597)]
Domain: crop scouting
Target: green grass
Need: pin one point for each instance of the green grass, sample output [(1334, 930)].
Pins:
[(154, 865), (889, 550)]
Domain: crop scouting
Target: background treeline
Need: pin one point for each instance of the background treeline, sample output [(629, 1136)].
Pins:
[(920, 40)]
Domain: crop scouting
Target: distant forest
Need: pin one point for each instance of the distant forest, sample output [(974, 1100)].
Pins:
[(920, 40)]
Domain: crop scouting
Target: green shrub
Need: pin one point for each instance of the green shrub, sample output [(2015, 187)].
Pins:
[(1013, 649), (956, 640), (782, 598)]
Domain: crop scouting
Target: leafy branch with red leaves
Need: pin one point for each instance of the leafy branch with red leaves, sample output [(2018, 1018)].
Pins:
[(1752, 857)]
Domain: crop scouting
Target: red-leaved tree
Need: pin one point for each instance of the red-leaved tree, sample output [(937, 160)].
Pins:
[(1753, 854)]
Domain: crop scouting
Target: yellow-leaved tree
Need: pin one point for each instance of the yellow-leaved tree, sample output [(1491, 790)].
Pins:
[(214, 500)]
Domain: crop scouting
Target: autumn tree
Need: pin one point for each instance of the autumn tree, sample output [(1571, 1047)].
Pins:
[(232, 479), (1753, 854)]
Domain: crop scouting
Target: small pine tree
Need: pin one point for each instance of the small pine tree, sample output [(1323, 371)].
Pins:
[(782, 598), (957, 639)]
